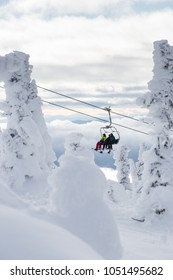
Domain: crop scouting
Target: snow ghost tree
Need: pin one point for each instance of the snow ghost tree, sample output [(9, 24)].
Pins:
[(136, 170), (122, 166), (25, 145), (157, 175), (79, 189)]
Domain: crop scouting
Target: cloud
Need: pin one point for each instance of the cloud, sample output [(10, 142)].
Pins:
[(100, 51), (91, 56), (54, 8), (166, 2), (92, 8)]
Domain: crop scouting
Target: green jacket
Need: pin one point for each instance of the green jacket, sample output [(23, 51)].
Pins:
[(103, 138)]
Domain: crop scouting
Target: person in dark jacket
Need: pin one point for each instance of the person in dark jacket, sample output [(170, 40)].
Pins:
[(110, 140)]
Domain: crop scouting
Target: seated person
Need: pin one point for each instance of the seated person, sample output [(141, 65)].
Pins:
[(110, 140), (101, 142)]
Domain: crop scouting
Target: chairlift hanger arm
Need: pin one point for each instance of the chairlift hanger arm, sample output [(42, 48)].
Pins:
[(108, 109)]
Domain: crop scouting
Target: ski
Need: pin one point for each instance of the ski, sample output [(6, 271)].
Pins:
[(101, 151), (138, 220)]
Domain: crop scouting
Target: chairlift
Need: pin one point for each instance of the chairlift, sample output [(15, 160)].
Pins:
[(108, 129)]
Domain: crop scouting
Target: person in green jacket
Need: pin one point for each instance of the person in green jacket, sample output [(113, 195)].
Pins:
[(101, 142)]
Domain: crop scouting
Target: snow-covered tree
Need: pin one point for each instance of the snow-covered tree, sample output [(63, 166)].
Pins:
[(122, 166), (79, 190), (136, 169), (157, 175), (25, 145), (140, 163), (134, 177)]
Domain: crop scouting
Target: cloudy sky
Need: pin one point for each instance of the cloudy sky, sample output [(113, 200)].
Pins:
[(100, 50)]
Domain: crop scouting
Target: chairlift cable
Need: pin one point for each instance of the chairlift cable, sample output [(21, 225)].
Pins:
[(89, 104), (105, 109), (72, 98), (100, 119), (73, 110)]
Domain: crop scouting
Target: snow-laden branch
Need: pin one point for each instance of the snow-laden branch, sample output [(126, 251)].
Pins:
[(10, 63)]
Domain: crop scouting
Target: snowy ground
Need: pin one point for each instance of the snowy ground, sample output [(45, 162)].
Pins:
[(149, 241), (23, 229), (24, 236)]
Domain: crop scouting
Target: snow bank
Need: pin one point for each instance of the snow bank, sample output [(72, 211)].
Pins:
[(8, 197), (79, 189), (23, 237)]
